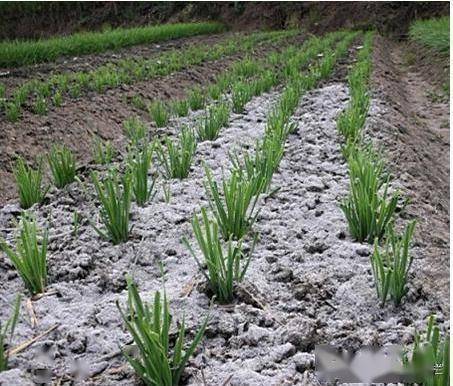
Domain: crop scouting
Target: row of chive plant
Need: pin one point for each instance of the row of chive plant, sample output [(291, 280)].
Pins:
[(370, 207), (233, 204), (40, 95), (230, 219), (370, 210), (243, 80), (176, 160)]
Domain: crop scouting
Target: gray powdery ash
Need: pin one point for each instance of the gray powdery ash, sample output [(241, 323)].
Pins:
[(308, 282)]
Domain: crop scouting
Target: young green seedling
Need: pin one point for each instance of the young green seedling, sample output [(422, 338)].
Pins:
[(136, 131), (29, 183), (62, 165), (115, 207), (429, 359), (6, 334), (241, 93), (369, 208), (138, 165), (225, 269), (176, 159), (157, 363), (159, 113), (215, 118), (180, 108), (30, 255), (235, 209), (196, 99), (391, 267), (103, 151)]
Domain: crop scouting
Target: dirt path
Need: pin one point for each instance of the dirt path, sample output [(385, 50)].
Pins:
[(414, 132)]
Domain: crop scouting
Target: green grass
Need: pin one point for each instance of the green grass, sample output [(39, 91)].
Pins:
[(115, 208), (369, 208), (351, 121), (245, 68), (391, 266), (6, 334), (289, 100), (159, 113), (12, 111), (430, 350), (180, 108), (241, 93), (62, 164), (196, 99), (18, 53), (432, 33), (138, 102), (259, 167), (157, 363), (326, 65), (103, 151), (29, 183), (224, 268), (214, 91), (278, 127), (40, 106), (215, 118), (138, 165), (176, 158), (30, 255), (57, 99), (264, 83), (136, 131), (234, 207)]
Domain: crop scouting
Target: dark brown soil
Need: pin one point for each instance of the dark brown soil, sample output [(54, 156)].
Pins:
[(77, 121), (417, 143)]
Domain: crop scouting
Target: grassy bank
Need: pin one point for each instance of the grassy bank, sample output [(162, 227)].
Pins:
[(432, 33), (18, 53)]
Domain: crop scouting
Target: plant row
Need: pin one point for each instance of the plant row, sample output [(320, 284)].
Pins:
[(243, 80), (42, 94), (370, 208), (19, 53)]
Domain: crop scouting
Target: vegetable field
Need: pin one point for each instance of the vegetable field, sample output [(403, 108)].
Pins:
[(188, 205)]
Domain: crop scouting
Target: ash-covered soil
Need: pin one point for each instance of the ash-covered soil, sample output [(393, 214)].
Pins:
[(308, 282)]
